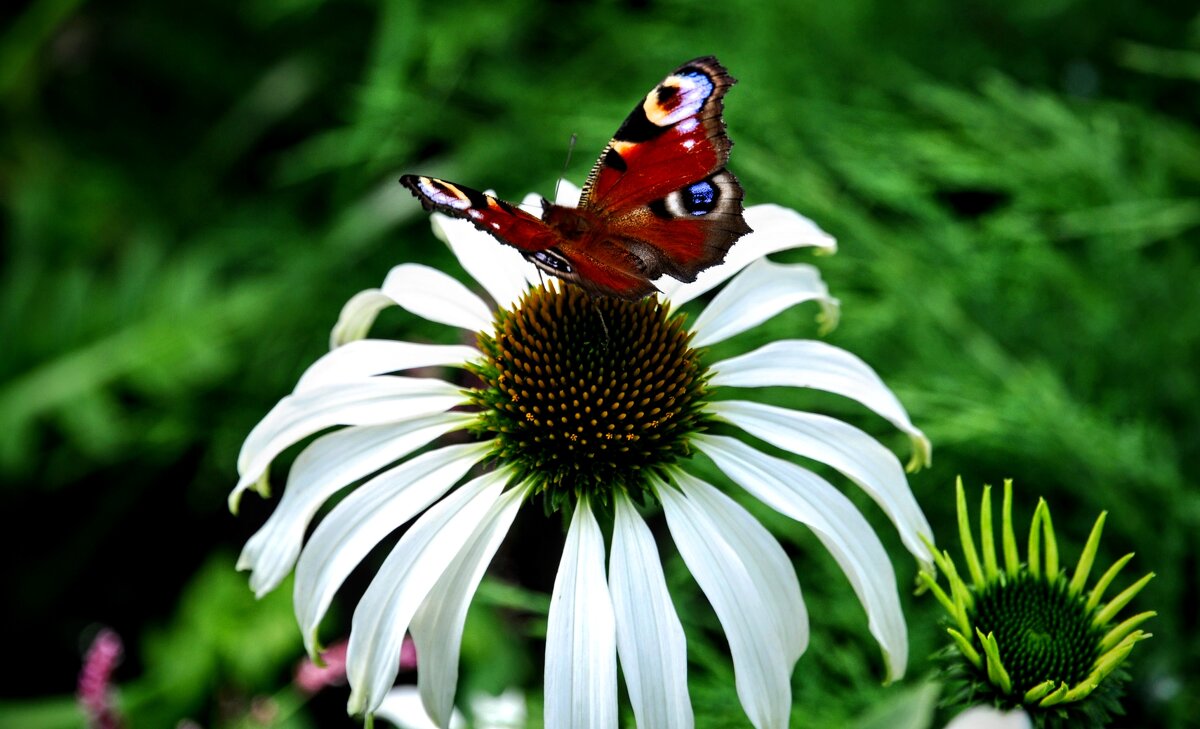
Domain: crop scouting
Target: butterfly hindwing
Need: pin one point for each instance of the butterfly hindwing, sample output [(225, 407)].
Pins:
[(661, 182)]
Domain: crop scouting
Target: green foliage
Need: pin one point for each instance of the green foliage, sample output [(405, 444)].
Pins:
[(189, 193), (220, 639)]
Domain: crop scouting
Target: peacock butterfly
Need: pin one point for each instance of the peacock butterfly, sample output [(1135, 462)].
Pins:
[(658, 201)]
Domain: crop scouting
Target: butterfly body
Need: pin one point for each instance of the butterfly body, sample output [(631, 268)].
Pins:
[(659, 201)]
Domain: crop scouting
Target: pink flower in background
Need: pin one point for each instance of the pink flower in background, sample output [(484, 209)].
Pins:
[(95, 680), (311, 678), (408, 654)]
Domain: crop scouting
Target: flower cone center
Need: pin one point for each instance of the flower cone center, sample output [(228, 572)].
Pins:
[(585, 393), (1042, 631)]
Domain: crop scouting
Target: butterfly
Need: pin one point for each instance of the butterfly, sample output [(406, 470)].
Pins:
[(658, 201)]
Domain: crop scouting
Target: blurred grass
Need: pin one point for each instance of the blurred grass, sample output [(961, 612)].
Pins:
[(189, 193)]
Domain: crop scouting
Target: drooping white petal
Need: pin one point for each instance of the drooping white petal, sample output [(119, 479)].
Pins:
[(775, 229), (370, 401), (846, 448), (766, 562), (402, 707), (327, 465), (762, 290), (650, 638), (761, 664), (499, 268), (371, 512), (404, 580), (807, 363), (581, 652), (437, 627), (436, 296), (366, 357), (813, 501), (357, 316)]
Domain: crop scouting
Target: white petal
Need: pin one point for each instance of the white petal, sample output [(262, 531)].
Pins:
[(762, 667), (987, 717), (581, 655), (358, 314), (402, 707), (327, 465), (499, 268), (813, 501), (404, 580), (371, 401), (366, 357), (806, 363), (437, 627), (567, 193), (506, 711), (766, 562), (650, 638), (758, 293), (370, 513), (775, 229), (436, 296), (846, 448)]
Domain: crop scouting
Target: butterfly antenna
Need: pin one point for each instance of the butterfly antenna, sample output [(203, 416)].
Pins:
[(566, 164)]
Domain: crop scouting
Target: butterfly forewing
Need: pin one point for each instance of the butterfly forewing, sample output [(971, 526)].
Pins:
[(490, 214), (675, 136)]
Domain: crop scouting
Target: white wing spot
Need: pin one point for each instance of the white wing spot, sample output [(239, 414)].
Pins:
[(443, 193), (693, 90)]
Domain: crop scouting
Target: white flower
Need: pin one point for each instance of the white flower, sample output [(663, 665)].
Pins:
[(585, 401), (986, 717), (402, 706)]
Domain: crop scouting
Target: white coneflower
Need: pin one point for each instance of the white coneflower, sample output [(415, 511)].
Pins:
[(583, 402)]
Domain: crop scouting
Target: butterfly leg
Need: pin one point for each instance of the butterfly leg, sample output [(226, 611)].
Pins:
[(600, 314)]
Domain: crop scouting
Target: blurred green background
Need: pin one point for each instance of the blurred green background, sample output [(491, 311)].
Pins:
[(189, 192)]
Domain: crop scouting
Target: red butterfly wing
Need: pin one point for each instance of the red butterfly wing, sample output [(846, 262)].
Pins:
[(660, 189), (673, 137), (490, 214), (658, 201), (537, 241)]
